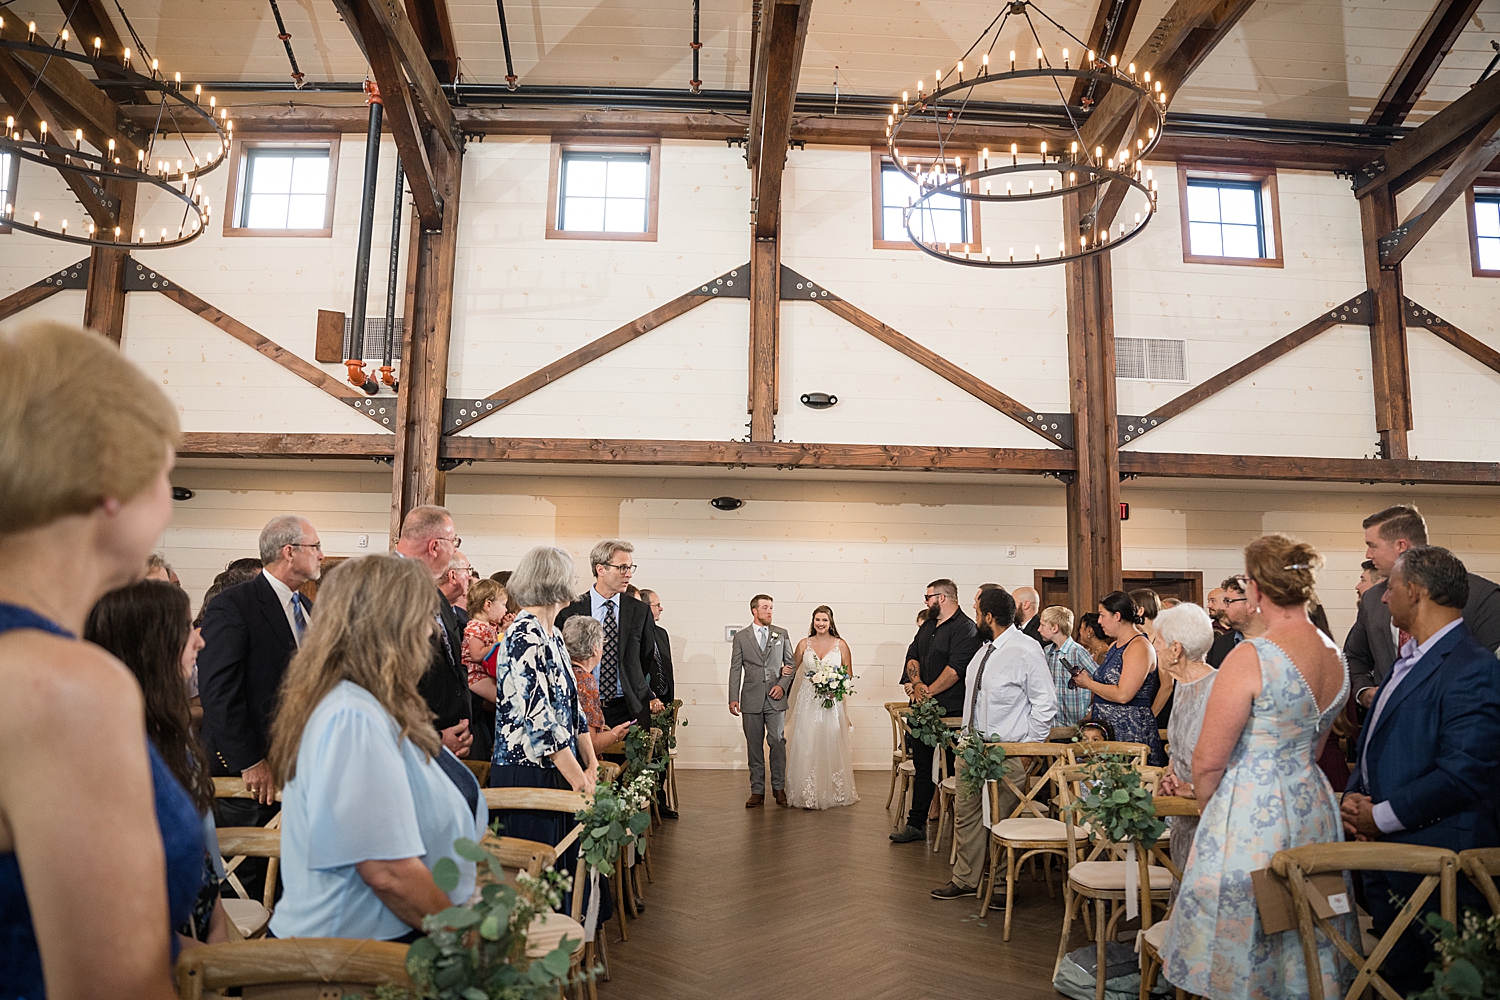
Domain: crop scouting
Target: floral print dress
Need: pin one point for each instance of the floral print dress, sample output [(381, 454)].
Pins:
[(1272, 798), (537, 710)]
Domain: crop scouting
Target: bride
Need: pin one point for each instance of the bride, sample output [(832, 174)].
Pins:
[(819, 761)]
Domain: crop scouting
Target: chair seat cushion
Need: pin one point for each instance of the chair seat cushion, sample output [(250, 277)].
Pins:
[(248, 916), (1030, 828), (950, 784), (1156, 934), (908, 767), (548, 930), (1107, 875)]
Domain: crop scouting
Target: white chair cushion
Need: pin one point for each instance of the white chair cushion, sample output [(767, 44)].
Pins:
[(908, 767), (1105, 875), (1024, 828), (1156, 934), (248, 916), (950, 784), (547, 931)]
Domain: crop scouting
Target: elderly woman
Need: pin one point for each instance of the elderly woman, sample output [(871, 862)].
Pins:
[(371, 800), (541, 734), (84, 495), (1183, 635), (584, 638)]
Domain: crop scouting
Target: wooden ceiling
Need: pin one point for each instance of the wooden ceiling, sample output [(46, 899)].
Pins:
[(1315, 60)]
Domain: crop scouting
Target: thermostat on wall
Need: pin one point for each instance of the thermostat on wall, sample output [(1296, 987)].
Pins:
[(730, 630)]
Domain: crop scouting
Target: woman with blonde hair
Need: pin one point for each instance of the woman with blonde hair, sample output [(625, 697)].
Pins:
[(1271, 708), (84, 496), (371, 800)]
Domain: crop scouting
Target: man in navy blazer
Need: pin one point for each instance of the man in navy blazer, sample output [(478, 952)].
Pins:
[(1428, 769)]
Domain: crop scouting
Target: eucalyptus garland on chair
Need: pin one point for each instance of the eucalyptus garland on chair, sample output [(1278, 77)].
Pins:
[(1117, 802), (925, 721), (618, 816), (982, 762), (639, 745), (663, 721)]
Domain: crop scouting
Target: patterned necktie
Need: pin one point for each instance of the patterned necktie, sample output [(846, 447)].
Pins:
[(978, 683), (1402, 638), (609, 666), (299, 617)]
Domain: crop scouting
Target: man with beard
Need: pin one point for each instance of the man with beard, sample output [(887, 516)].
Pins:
[(1243, 621)]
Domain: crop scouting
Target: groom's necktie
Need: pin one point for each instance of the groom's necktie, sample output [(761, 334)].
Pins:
[(609, 666), (978, 684), (761, 635)]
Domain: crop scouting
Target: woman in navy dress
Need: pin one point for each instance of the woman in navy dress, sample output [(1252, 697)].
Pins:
[(86, 443), (1126, 682)]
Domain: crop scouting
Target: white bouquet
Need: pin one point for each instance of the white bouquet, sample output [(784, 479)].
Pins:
[(831, 682)]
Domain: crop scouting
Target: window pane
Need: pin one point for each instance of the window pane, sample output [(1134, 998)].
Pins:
[(1241, 241), (1238, 205), (270, 174), (891, 226), (942, 227), (896, 189), (1487, 218), (1205, 239), (1489, 254), (628, 178), (583, 214), (625, 215), (310, 175), (306, 211), (1203, 203), (584, 177), (268, 211)]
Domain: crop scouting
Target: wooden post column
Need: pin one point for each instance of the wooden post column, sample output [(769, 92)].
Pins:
[(1390, 374), (416, 479), (104, 302), (1094, 492)]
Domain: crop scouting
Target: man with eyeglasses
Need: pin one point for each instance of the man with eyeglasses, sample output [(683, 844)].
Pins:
[(250, 632), (624, 671), (454, 583), (1243, 621), (429, 537)]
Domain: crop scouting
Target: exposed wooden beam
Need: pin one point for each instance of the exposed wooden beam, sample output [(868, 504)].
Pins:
[(401, 113), (1113, 22), (1322, 470), (936, 363), (25, 298), (1486, 355), (434, 29), (761, 454), (1390, 373), (104, 304), (201, 444), (1422, 60), (777, 66), (765, 324), (74, 97), (1468, 165), (90, 20), (387, 19), (1434, 143)]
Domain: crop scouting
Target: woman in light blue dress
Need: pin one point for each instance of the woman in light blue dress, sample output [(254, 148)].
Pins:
[(371, 800), (1254, 766)]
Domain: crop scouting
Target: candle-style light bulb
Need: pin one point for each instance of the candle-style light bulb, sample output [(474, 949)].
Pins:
[(984, 63), (127, 57), (1114, 62), (1073, 149), (1158, 86), (919, 88), (30, 32), (212, 103), (98, 44), (1072, 177), (1151, 132), (1091, 57), (117, 234), (1012, 154), (1098, 153), (1039, 57), (62, 36), (1137, 219), (78, 138), (140, 155), (1146, 76), (1124, 156), (1012, 255), (164, 234), (1148, 175), (10, 122), (36, 218), (1038, 252), (65, 227), (960, 69), (177, 79), (1062, 248), (1012, 60), (1131, 70), (197, 91), (1083, 242), (1007, 189), (44, 131), (143, 234), (1065, 58), (1044, 150)]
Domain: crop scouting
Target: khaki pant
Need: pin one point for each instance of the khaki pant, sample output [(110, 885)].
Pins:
[(968, 825)]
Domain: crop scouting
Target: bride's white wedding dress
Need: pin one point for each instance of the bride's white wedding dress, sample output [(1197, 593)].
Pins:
[(819, 760)]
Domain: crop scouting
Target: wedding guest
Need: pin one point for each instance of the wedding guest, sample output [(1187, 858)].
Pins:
[(1148, 606), (454, 585), (584, 639), (1369, 576), (157, 568), (147, 626), (84, 495), (1028, 603), (429, 537), (624, 674), (1171, 602), (1241, 617), (982, 588), (1429, 757), (486, 602), (1096, 731), (1009, 697), (1124, 685), (1091, 637), (501, 577), (1184, 635), (1373, 643), (1064, 657), (371, 798), (1272, 705), (663, 682), (936, 662), (1214, 605)]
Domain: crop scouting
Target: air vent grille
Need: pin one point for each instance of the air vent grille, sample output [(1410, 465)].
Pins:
[(1150, 358)]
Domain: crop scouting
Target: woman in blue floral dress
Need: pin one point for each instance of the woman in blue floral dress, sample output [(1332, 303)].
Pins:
[(1254, 768), (1127, 681)]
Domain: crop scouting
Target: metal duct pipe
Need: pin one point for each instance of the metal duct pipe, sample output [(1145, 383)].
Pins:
[(386, 368), (510, 70), (356, 360), (695, 84)]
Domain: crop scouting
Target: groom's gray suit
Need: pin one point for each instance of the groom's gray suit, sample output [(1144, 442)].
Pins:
[(753, 672)]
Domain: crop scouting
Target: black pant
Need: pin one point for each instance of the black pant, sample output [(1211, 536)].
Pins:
[(1385, 894), (922, 788), (246, 812)]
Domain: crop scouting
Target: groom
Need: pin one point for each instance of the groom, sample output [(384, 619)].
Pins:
[(760, 676)]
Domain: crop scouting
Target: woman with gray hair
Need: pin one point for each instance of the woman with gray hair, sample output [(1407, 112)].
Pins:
[(538, 717), (1183, 637), (584, 637)]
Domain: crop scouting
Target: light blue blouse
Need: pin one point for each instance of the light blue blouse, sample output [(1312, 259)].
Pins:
[(359, 795)]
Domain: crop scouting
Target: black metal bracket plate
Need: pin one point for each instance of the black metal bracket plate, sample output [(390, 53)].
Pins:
[(1057, 426), (1357, 311), (72, 276), (1130, 428), (140, 278), (459, 413), (732, 284), (1420, 315), (381, 409), (796, 288)]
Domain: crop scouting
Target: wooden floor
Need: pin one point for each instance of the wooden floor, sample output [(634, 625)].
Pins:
[(789, 904)]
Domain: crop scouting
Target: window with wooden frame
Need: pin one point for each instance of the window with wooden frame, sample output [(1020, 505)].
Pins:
[(603, 192), (942, 218), (282, 188), (1484, 230), (9, 170), (1230, 217)]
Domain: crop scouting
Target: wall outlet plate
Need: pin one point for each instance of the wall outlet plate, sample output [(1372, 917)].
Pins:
[(1010, 552), (730, 630), (363, 541)]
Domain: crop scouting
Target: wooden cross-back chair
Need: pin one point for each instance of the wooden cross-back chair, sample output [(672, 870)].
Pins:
[(902, 768), (1154, 937), (481, 770), (1028, 828), (946, 791), (1096, 873), (669, 778), (1082, 753), (1481, 865), (320, 966), (1439, 871), (248, 917)]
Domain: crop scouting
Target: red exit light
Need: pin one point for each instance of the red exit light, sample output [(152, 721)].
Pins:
[(1124, 511)]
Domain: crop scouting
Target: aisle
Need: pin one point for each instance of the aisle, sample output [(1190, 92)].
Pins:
[(787, 904)]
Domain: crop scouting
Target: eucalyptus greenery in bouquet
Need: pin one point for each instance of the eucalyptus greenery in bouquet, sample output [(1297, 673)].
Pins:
[(1117, 803), (477, 951), (926, 723), (983, 762), (1469, 958), (618, 816), (663, 720)]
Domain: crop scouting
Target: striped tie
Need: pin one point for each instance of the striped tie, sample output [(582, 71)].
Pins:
[(609, 666), (299, 617)]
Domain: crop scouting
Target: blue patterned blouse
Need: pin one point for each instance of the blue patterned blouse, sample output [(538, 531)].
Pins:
[(537, 712)]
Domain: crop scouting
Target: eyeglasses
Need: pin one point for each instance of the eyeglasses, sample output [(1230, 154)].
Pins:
[(473, 573), (928, 597), (455, 541), (307, 545), (1235, 600), (622, 567)]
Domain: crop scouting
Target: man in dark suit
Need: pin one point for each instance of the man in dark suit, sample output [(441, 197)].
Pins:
[(250, 632), (663, 684), (1429, 756), (1028, 617), (1371, 645), (624, 672), (429, 537)]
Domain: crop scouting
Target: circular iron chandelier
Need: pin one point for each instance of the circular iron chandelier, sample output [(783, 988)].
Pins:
[(1068, 167), (165, 162)]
